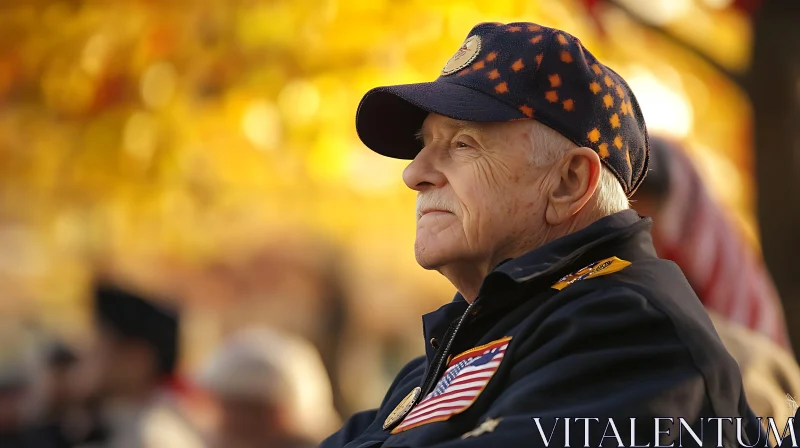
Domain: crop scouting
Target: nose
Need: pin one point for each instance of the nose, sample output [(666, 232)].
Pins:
[(421, 174)]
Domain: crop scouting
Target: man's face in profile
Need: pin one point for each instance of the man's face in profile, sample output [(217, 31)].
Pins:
[(478, 192)]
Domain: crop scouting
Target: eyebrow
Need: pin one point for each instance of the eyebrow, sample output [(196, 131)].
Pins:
[(450, 124)]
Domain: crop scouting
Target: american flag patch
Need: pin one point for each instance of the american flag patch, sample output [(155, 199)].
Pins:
[(465, 378)]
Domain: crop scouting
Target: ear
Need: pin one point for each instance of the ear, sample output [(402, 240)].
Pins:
[(575, 181)]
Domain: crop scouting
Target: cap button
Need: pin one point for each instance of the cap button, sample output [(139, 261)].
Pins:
[(434, 343)]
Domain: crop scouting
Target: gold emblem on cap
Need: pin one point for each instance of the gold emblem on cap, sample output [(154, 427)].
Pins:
[(402, 408), (464, 56)]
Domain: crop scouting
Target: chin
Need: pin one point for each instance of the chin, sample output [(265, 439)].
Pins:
[(433, 256)]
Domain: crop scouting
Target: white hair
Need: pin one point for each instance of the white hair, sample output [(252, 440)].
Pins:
[(549, 145)]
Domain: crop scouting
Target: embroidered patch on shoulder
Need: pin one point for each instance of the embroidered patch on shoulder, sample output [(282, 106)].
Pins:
[(466, 376), (596, 269)]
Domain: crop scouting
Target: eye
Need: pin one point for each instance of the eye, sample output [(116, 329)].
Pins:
[(464, 141)]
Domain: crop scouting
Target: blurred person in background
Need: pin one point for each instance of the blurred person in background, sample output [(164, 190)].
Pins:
[(134, 368), (18, 368), (691, 228), (524, 153), (271, 389), (55, 399)]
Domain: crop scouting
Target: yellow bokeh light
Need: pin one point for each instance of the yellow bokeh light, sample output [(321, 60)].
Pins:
[(261, 124), (158, 84), (140, 136), (299, 101)]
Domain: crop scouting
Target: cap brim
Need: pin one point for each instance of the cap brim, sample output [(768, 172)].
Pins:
[(388, 117)]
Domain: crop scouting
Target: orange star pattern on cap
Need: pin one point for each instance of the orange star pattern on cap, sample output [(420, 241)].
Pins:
[(594, 135), (526, 110), (519, 71), (603, 150), (614, 120), (608, 100)]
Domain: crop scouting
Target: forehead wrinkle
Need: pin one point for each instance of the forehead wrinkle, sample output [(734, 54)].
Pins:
[(452, 125)]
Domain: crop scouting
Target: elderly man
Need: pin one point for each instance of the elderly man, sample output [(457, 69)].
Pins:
[(566, 329)]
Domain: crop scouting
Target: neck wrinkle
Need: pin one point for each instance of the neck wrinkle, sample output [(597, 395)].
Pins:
[(468, 277)]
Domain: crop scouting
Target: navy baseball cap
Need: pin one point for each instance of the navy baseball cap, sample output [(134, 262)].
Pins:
[(517, 71)]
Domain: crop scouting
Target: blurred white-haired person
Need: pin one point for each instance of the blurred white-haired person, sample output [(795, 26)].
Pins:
[(271, 389)]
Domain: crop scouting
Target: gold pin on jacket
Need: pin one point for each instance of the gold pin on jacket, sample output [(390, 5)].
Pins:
[(596, 269), (485, 427), (402, 408)]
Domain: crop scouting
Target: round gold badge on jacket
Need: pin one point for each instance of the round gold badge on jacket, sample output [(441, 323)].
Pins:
[(402, 408), (464, 56)]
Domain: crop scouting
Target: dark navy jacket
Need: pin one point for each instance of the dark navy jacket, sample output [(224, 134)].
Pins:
[(635, 343)]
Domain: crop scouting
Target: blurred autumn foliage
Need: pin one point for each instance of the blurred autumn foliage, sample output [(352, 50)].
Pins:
[(175, 141)]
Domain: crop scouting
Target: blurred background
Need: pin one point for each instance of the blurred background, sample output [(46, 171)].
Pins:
[(203, 153)]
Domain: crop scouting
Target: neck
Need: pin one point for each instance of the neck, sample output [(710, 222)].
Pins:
[(468, 276)]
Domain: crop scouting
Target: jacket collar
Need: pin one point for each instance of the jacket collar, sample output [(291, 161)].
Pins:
[(572, 246), (552, 259)]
